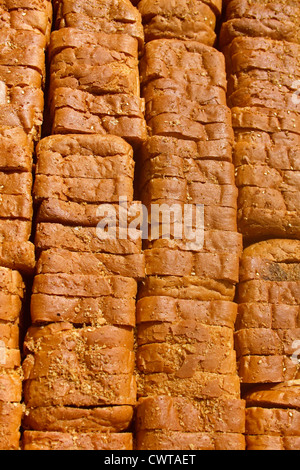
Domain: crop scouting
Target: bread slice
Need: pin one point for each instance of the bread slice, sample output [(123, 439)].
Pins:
[(197, 87), (189, 192), (11, 306), (176, 125), (10, 424), (11, 386), (264, 94), (83, 165), (265, 341), (74, 38), (21, 76), (19, 256), (215, 241), (52, 337), (265, 119), (23, 48), (38, 440), (188, 169), (187, 287), (80, 214), (163, 312), (271, 416), (180, 414), (106, 310), (157, 440), (271, 260), (266, 28), (184, 360), (16, 207), (265, 315), (282, 395), (191, 28), (281, 156), (16, 183), (164, 262), (76, 285), (78, 359), (81, 390), (198, 11), (82, 190), (241, 80), (199, 217), (17, 151), (263, 442), (65, 261), (68, 120), (120, 18), (11, 282), (202, 386), (248, 52), (9, 335), (190, 58), (281, 422), (272, 292), (112, 419), (260, 19), (20, 16), (93, 69), (257, 224), (171, 147), (267, 369), (83, 239), (187, 333)]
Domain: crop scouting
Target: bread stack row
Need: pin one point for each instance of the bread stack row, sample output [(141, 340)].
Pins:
[(186, 20), (94, 80), (79, 370), (260, 41), (188, 387), (263, 69), (24, 35)]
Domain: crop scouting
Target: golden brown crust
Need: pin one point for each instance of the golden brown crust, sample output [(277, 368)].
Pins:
[(120, 17), (267, 369), (81, 238), (78, 310), (282, 395), (275, 443), (281, 422), (36, 440), (70, 419), (151, 440), (64, 261), (187, 287), (203, 385), (183, 415), (159, 309), (10, 425)]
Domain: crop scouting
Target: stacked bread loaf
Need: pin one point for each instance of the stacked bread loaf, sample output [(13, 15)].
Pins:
[(94, 80), (263, 70), (273, 417), (188, 387), (24, 35), (260, 40), (185, 19), (79, 379)]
